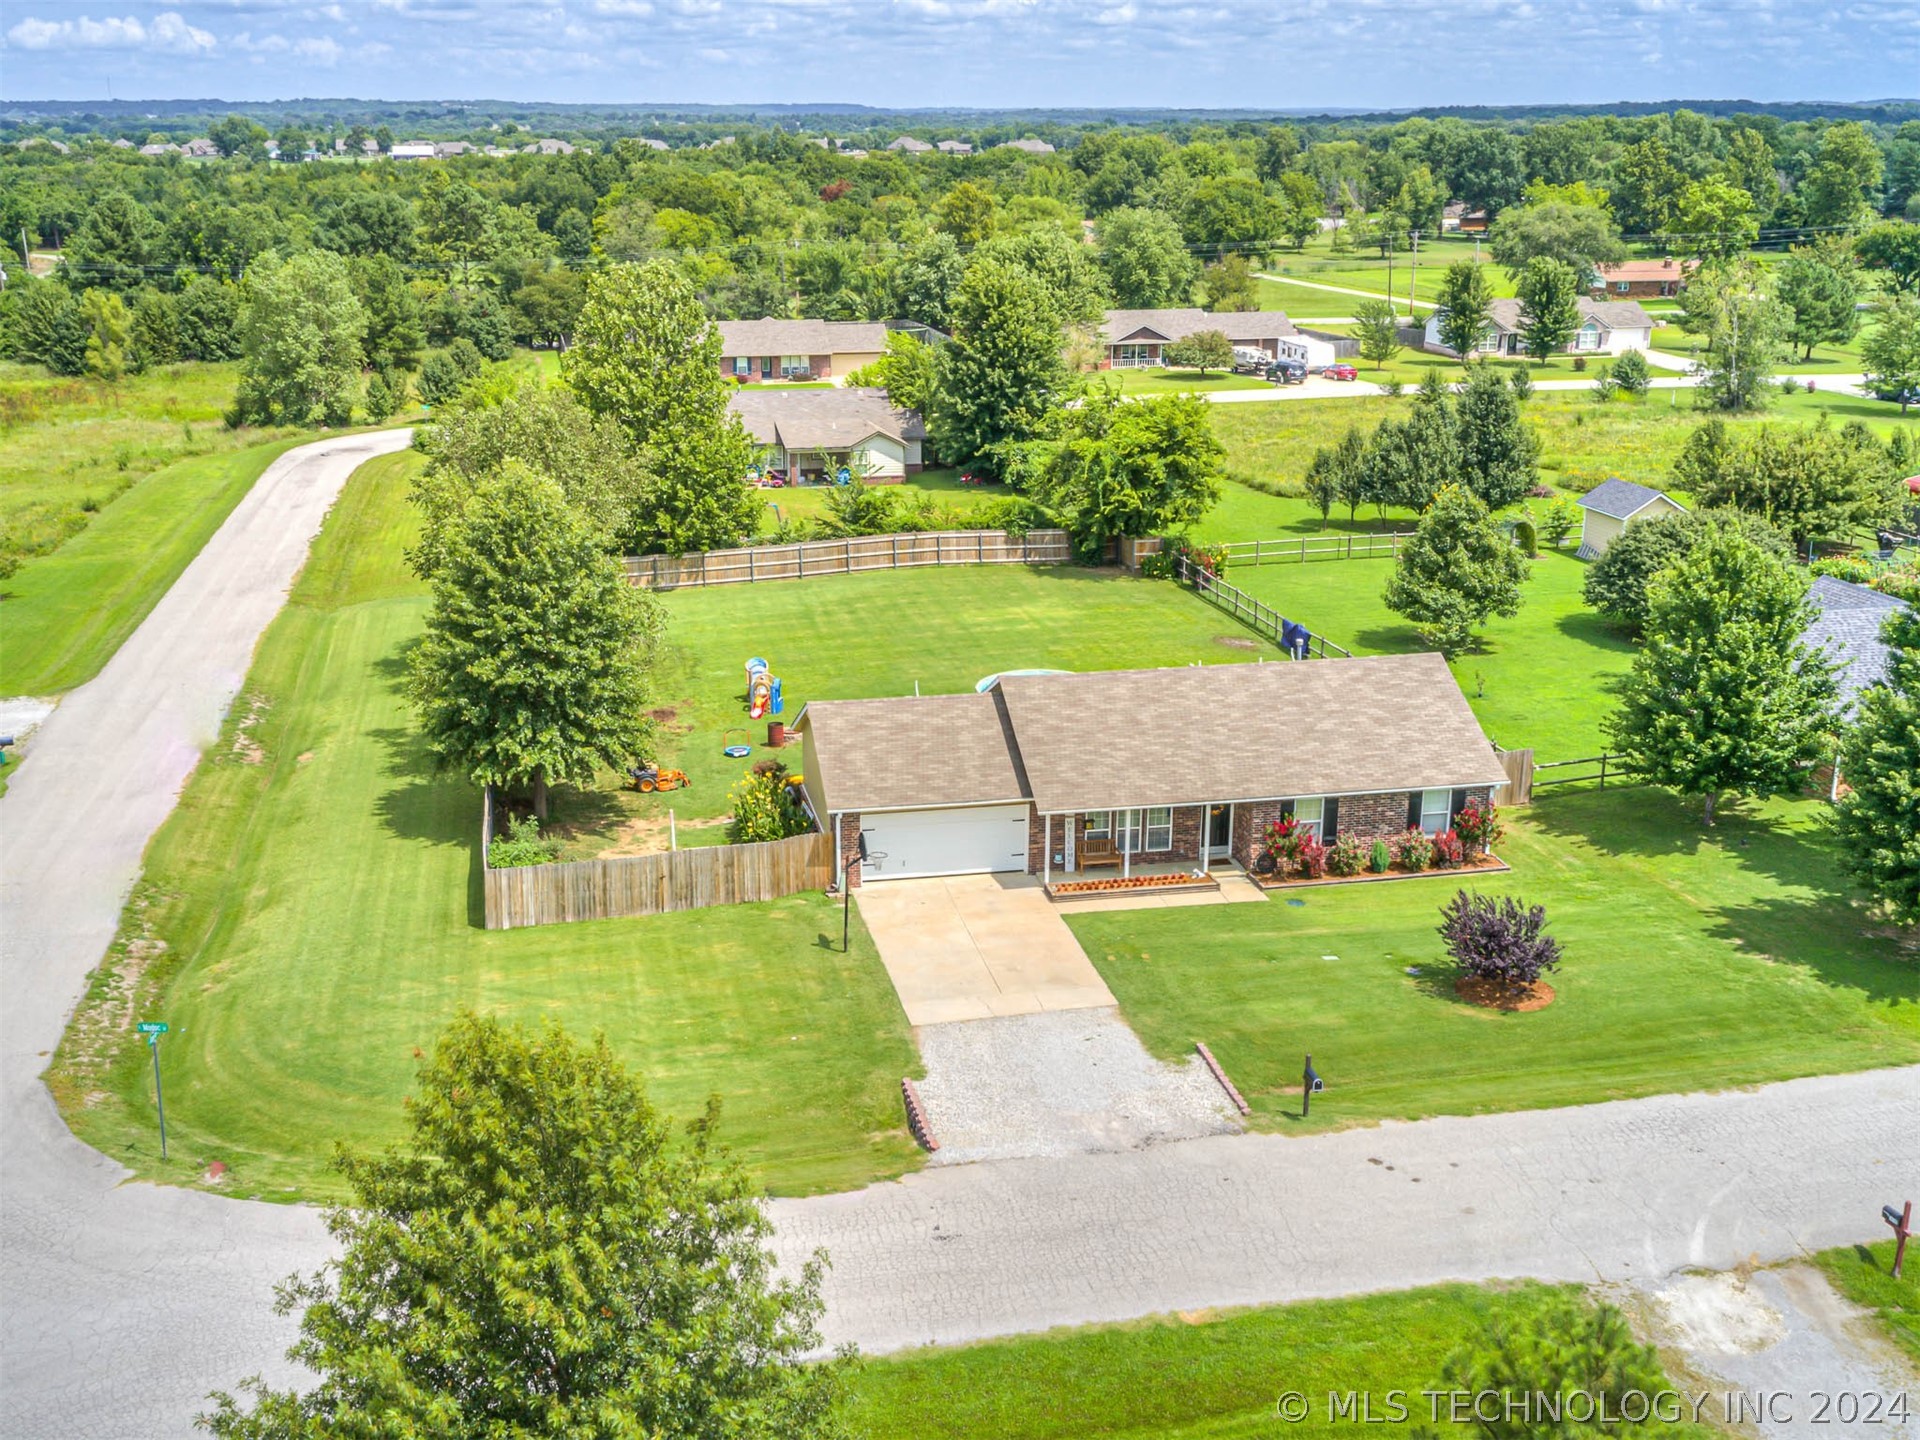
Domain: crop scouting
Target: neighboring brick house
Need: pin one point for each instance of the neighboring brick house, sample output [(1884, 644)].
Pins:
[(1607, 327), (805, 349), (1641, 279), (809, 436), (1054, 774), (1136, 339)]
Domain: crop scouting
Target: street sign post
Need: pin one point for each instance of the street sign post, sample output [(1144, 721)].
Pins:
[(153, 1030)]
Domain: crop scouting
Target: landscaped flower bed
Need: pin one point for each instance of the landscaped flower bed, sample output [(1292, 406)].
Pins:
[(1123, 883), (1293, 855), (1485, 862)]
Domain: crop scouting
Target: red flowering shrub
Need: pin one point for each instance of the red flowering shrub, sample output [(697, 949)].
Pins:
[(1313, 859), (1448, 852), (1478, 826), (1283, 840)]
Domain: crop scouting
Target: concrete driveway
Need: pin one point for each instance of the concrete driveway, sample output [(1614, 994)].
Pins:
[(971, 947)]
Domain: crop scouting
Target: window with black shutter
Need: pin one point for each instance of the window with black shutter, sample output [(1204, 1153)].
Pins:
[(1330, 820), (1413, 810)]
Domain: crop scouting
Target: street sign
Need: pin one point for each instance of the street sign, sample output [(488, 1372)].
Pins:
[(152, 1027)]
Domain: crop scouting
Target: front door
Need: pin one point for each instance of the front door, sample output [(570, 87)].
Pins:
[(1219, 833)]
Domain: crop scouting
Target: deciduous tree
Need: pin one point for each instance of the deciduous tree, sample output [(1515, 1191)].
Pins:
[(1879, 817), (1457, 572), (1146, 259), (1228, 285), (1617, 583), (1127, 469), (1894, 249), (543, 1257), (1549, 290), (1465, 301), (1891, 351), (1377, 331), (646, 357), (1002, 373), (537, 658), (1203, 350), (1579, 236), (300, 332), (1820, 284), (1724, 695), (1499, 458), (1731, 307)]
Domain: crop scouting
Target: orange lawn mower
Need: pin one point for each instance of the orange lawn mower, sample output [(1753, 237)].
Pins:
[(649, 778)]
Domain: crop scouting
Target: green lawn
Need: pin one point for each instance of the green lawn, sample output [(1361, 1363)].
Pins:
[(309, 920), (856, 636), (1211, 1374), (68, 446), (1692, 961), (808, 502), (1841, 359), (64, 614), (1864, 1274), (1164, 381), (1543, 679)]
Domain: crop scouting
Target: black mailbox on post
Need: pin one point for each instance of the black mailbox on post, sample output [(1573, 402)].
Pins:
[(1310, 1085)]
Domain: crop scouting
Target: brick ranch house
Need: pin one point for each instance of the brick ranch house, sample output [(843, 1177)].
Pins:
[(1607, 327), (1641, 279), (809, 435), (784, 349), (1057, 774), (1137, 339)]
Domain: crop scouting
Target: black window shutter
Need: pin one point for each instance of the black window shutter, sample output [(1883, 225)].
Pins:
[(1456, 802), (1330, 820), (1286, 809), (1413, 810)]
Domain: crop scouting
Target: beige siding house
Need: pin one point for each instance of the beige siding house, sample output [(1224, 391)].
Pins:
[(1609, 508), (808, 437), (798, 349), (1607, 327)]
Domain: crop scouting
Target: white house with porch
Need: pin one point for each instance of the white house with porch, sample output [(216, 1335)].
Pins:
[(1607, 327)]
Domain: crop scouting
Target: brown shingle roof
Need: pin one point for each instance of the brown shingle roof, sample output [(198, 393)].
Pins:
[(1236, 325), (1118, 739), (1246, 732), (822, 419), (1668, 269), (1612, 314), (800, 337), (911, 752)]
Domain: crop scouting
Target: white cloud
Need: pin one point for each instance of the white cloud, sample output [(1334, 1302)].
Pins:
[(167, 34), (321, 49)]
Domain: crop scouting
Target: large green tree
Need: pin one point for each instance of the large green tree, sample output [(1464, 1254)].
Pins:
[(537, 657), (1616, 585), (1895, 250), (1724, 695), (1730, 305), (907, 370), (1579, 236), (300, 332), (1456, 572), (1002, 374), (1376, 328), (1843, 184), (113, 246), (543, 1257), (1499, 458), (1146, 258), (1820, 284), (1879, 817), (1811, 482), (1549, 313), (646, 357), (1891, 351), (1465, 301), (1124, 469)]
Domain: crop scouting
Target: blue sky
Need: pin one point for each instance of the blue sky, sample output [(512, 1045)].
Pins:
[(1239, 53)]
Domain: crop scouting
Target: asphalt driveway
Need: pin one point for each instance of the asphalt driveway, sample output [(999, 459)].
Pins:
[(971, 947)]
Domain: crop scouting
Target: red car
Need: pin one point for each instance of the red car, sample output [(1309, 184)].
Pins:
[(1341, 372)]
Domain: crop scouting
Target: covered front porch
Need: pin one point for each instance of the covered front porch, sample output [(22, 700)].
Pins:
[(1147, 841)]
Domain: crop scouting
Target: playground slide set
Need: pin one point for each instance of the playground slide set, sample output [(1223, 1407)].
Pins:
[(763, 691)]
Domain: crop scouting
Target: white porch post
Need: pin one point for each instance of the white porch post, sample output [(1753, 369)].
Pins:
[(1046, 850), (1126, 844)]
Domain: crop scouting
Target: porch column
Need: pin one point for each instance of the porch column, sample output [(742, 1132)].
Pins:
[(1126, 844), (1046, 850)]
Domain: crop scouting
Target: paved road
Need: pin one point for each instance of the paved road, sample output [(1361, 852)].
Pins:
[(121, 1305), (1628, 1192)]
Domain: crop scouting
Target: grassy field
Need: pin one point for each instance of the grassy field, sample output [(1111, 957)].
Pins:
[(65, 614), (855, 636), (1842, 359), (1163, 381), (1544, 679), (308, 921), (1581, 442), (1692, 961), (1211, 1374), (68, 447), (1864, 1274)]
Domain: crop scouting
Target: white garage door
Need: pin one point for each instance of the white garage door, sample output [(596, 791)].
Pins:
[(944, 842)]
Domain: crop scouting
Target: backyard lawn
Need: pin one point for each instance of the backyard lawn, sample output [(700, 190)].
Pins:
[(1165, 381), (808, 502), (1212, 1374), (1693, 961), (1542, 680), (308, 922)]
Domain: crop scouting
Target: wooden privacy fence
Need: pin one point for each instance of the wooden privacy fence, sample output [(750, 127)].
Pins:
[(1255, 615), (651, 884), (851, 556), (1519, 767), (1315, 547)]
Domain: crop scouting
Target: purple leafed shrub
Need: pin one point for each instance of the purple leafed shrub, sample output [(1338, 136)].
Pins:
[(1499, 940)]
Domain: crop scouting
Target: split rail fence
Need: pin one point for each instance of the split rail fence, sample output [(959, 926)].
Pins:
[(1254, 614), (627, 885), (1289, 551), (852, 556)]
